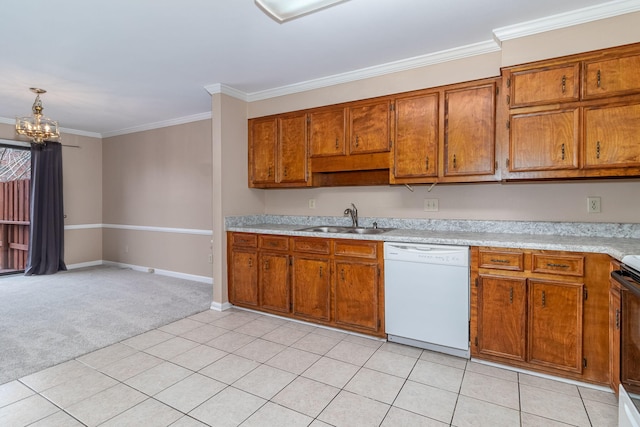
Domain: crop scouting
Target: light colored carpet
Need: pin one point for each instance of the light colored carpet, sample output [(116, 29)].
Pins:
[(46, 320)]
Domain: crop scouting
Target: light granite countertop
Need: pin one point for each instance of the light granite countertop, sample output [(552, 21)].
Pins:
[(616, 240)]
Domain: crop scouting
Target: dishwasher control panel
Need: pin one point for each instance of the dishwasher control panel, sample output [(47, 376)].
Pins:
[(427, 253)]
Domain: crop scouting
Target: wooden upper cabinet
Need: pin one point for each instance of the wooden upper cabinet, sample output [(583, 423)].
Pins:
[(278, 151), (416, 136), (612, 136), (547, 85), (327, 133), (262, 150), (615, 76), (369, 125), (469, 130), (292, 149), (544, 140)]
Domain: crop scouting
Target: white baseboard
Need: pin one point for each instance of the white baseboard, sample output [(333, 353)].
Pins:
[(221, 307), (169, 273)]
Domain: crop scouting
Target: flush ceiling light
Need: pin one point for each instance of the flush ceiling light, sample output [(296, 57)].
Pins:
[(284, 10), (37, 127)]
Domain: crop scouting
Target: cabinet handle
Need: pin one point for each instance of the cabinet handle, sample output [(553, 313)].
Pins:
[(337, 143), (544, 299), (427, 163), (598, 77), (342, 274), (357, 140), (598, 150), (551, 264), (500, 261), (562, 151), (564, 84), (617, 318), (266, 264), (250, 262), (511, 295), (285, 171), (269, 172), (454, 162), (320, 271)]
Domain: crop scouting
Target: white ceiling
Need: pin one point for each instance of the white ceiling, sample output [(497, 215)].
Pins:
[(122, 65)]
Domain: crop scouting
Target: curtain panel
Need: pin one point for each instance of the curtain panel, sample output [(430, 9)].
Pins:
[(46, 238)]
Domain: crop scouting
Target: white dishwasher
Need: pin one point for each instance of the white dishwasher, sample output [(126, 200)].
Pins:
[(427, 296)]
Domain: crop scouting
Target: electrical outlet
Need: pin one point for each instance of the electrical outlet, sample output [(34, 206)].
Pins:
[(312, 203), (431, 205), (593, 204)]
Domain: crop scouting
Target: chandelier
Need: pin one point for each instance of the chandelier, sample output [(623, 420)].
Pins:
[(37, 127)]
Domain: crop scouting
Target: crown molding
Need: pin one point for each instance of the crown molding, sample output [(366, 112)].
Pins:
[(379, 70), (226, 90), (161, 124), (567, 19)]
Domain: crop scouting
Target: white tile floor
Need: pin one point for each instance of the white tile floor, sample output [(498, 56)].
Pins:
[(239, 368)]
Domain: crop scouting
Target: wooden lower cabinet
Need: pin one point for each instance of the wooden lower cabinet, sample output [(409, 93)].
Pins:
[(334, 282), (311, 285), (274, 276), (502, 301), (546, 311), (243, 269), (356, 288)]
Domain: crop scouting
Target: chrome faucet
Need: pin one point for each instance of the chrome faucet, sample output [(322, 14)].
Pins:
[(353, 213)]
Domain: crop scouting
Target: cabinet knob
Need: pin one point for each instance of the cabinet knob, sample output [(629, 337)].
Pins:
[(285, 171), (250, 262), (617, 318), (562, 151), (357, 140), (455, 165), (426, 163), (544, 299), (564, 84), (598, 150), (266, 264), (598, 78), (342, 274), (269, 172), (511, 295), (320, 271), (337, 145)]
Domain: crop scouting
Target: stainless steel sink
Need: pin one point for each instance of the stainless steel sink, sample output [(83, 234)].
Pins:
[(339, 229)]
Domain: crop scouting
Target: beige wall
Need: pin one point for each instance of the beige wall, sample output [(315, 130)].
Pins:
[(549, 201), (82, 189), (159, 179)]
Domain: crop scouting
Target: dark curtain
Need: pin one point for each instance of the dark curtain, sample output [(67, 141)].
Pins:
[(46, 239)]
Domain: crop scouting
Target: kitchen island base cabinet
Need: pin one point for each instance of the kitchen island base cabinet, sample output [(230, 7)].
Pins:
[(544, 311), (332, 282)]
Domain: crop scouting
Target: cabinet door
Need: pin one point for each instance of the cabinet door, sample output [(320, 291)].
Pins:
[(243, 286), (555, 324), (416, 141), (327, 133), (612, 136), (469, 131), (502, 314), (311, 288), (292, 149), (262, 149), (545, 140), (274, 282), (356, 294), (547, 85), (616, 76), (369, 124)]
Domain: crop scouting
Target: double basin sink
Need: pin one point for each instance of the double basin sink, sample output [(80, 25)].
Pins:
[(339, 229)]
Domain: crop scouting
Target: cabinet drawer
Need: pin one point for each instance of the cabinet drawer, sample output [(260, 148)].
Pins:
[(274, 242), (244, 239), (566, 265), (502, 260), (545, 85), (316, 246), (350, 248)]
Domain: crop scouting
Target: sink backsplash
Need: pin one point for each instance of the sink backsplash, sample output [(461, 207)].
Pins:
[(587, 229)]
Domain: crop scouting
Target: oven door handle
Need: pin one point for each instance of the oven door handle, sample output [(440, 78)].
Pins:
[(629, 285)]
